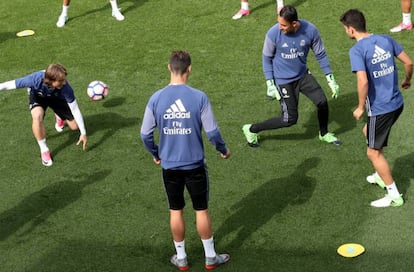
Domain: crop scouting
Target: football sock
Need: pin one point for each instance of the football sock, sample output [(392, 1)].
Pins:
[(245, 5), (392, 190), (57, 118), (180, 249), (323, 117), (406, 18), (65, 10), (114, 4), (209, 247), (42, 145)]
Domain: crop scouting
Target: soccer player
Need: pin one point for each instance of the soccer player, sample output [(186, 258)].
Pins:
[(244, 9), (285, 53), (49, 88), (373, 61), (406, 23), (180, 112), (63, 17)]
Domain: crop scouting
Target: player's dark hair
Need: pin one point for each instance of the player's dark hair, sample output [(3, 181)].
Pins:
[(54, 72), (289, 13), (179, 62), (354, 18)]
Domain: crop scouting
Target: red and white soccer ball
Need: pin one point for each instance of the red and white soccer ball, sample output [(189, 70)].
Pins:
[(97, 90)]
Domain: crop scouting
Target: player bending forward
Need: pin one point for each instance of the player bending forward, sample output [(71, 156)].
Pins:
[(50, 89)]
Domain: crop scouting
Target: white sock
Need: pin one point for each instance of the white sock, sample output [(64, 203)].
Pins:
[(180, 249), (392, 190), (65, 10), (42, 145), (209, 247), (406, 18), (114, 5), (245, 5)]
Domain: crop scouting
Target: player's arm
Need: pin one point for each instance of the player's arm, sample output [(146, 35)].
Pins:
[(147, 134), (8, 85), (269, 51), (408, 67), (320, 54), (362, 87), (77, 115), (214, 136), (212, 130), (319, 51)]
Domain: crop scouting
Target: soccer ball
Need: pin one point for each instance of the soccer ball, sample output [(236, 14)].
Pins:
[(97, 90)]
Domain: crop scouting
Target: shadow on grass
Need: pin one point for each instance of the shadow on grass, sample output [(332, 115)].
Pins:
[(260, 205), (403, 172), (83, 255), (4, 36), (38, 206), (340, 113), (134, 5), (113, 102), (109, 122), (99, 256), (285, 258)]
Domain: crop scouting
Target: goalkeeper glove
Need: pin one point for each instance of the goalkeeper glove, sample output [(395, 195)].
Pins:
[(333, 85), (272, 89)]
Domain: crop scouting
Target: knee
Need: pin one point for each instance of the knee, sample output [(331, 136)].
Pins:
[(323, 104), (289, 123), (291, 120), (372, 154), (37, 118)]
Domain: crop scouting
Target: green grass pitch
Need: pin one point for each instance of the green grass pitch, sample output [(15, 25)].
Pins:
[(285, 206)]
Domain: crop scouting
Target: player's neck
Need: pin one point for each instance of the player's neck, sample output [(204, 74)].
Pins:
[(178, 79), (361, 35)]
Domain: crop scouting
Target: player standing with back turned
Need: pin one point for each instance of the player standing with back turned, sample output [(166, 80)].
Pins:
[(180, 112)]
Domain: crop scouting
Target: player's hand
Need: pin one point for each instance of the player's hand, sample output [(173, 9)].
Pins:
[(405, 84), (157, 161), (358, 112), (272, 91), (82, 139), (227, 155), (333, 85)]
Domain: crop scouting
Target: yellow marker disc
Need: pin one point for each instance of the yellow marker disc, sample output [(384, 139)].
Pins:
[(25, 33), (350, 250)]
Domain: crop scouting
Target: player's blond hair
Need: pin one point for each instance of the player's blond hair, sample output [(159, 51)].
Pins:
[(55, 72)]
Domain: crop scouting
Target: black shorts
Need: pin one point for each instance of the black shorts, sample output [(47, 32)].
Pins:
[(195, 180), (379, 128), (59, 106), (307, 85)]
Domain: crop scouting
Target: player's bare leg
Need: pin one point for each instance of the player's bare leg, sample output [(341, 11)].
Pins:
[(39, 132)]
